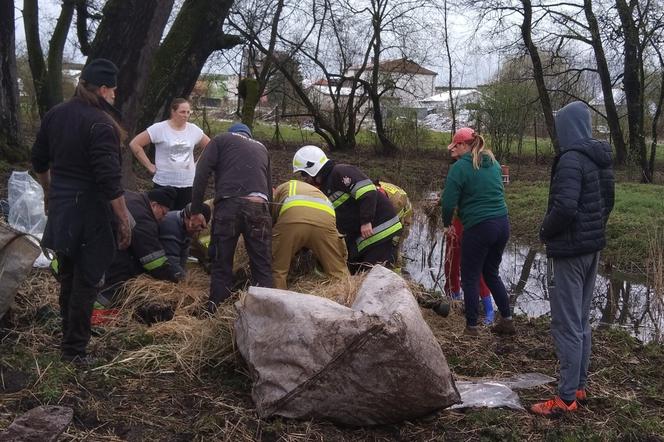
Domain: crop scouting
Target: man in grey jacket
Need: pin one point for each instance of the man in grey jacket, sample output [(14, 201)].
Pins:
[(243, 190), (176, 232), (581, 198)]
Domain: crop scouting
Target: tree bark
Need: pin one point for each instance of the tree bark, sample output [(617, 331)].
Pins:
[(10, 130), (612, 117), (46, 74), (538, 73), (195, 34), (128, 35), (378, 10), (633, 84)]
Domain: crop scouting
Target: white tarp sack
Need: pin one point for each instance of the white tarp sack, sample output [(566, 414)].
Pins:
[(17, 253), (374, 363)]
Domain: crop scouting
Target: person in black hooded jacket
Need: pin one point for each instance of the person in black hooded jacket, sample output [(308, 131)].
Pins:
[(581, 197)]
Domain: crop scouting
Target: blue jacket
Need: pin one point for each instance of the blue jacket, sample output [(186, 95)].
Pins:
[(581, 194)]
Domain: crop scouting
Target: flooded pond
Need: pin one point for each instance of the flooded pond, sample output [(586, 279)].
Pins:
[(619, 300)]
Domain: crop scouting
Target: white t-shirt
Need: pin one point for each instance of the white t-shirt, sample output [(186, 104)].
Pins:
[(174, 153)]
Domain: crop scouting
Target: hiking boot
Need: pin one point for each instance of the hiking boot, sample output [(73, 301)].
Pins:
[(504, 327), (472, 330), (79, 361), (555, 407), (581, 396)]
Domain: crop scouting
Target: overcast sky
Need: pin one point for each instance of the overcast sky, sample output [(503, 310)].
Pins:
[(471, 67)]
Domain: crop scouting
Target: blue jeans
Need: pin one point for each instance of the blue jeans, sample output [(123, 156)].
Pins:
[(481, 253)]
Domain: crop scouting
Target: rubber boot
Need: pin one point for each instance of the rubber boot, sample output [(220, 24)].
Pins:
[(489, 315)]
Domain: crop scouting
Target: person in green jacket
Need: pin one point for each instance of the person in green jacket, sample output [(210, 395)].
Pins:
[(474, 185)]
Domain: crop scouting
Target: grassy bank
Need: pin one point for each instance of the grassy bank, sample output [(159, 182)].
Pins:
[(638, 213)]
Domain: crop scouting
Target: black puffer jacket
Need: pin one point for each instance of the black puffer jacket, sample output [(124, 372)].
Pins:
[(581, 196)]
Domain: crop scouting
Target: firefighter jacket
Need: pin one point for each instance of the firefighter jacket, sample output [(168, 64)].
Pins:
[(299, 202), (399, 199), (145, 254), (356, 202)]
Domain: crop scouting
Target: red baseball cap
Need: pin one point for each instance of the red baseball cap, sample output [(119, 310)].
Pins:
[(461, 136)]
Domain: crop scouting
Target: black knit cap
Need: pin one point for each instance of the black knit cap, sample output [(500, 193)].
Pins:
[(163, 195), (100, 72)]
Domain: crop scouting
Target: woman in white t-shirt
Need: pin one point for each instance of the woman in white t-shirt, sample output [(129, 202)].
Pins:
[(174, 141)]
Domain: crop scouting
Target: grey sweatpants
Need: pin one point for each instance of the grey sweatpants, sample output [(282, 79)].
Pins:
[(571, 282)]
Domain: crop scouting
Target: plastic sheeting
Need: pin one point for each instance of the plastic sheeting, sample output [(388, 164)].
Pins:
[(26, 204), (493, 393), (26, 209), (374, 363)]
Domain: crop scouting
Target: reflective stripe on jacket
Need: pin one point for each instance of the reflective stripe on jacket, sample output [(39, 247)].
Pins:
[(296, 200), (380, 232)]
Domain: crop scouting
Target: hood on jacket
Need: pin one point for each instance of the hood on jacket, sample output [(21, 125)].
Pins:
[(573, 124), (574, 130)]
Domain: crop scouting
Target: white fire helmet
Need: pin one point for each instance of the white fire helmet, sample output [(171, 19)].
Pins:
[(309, 159)]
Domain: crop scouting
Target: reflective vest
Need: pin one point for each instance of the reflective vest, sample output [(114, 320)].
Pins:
[(358, 189), (295, 200)]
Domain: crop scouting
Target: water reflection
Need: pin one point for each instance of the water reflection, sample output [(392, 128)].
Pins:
[(619, 300)]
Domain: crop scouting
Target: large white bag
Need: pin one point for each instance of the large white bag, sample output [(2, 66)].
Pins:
[(374, 363)]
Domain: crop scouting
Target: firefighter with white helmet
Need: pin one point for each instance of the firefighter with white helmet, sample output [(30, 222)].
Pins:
[(365, 216)]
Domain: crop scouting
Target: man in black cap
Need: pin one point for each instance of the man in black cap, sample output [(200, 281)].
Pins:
[(146, 254), (243, 188), (76, 157)]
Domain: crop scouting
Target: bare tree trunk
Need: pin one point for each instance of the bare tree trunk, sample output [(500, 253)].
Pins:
[(538, 72), (128, 35), (10, 129), (378, 10), (658, 113), (612, 118), (46, 74), (633, 84), (449, 68), (195, 34)]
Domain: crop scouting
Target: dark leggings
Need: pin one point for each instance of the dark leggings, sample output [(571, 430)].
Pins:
[(183, 196), (481, 253)]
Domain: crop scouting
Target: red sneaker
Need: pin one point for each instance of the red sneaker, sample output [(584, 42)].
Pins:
[(555, 407), (581, 396)]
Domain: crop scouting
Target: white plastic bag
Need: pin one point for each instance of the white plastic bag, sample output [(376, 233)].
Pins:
[(26, 204)]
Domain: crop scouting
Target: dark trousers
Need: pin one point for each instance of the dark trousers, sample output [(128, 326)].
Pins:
[(234, 217), (481, 253), (383, 253), (183, 196), (77, 298)]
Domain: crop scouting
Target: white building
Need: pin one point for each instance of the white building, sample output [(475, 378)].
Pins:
[(406, 81), (440, 103)]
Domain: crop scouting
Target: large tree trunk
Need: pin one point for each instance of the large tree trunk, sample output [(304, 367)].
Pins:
[(388, 146), (612, 118), (10, 133), (538, 73), (129, 35), (633, 83), (46, 75), (195, 34)]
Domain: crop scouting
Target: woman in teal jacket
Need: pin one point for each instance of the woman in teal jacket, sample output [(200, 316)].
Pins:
[(474, 185)]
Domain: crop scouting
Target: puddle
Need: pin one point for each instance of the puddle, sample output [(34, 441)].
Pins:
[(620, 300)]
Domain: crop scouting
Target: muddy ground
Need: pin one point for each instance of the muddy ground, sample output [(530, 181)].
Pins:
[(121, 402)]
